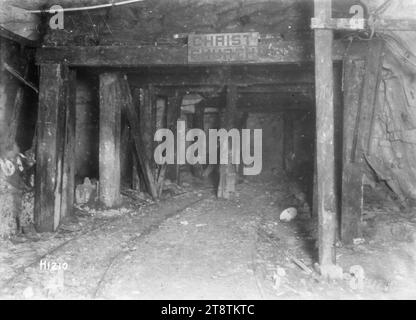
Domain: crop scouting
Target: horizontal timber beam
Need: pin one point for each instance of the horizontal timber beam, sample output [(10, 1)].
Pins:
[(276, 109), (363, 24), (254, 104), (266, 88), (270, 51), (241, 76), (263, 103)]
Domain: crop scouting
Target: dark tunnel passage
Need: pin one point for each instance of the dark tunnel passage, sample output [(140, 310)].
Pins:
[(277, 99)]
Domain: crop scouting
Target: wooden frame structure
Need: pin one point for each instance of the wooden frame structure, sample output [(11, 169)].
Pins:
[(361, 82), (324, 51), (281, 52)]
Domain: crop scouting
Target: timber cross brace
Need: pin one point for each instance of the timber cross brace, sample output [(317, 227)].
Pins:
[(56, 132)]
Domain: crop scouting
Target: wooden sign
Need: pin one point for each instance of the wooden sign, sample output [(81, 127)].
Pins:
[(223, 47)]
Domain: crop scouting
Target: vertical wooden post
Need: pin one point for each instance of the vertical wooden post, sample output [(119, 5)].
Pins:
[(315, 185), (148, 124), (371, 84), (198, 123), (136, 125), (173, 114), (139, 180), (110, 123), (361, 82), (50, 146), (68, 179), (352, 189), (126, 163), (228, 174), (174, 109), (17, 110), (325, 140), (3, 94), (288, 140)]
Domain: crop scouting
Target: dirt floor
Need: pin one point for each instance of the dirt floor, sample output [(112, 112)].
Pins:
[(193, 246)]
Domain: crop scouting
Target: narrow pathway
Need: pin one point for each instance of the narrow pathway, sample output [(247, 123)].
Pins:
[(193, 246)]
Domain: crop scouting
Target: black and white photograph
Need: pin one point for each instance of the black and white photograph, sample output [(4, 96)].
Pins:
[(223, 151)]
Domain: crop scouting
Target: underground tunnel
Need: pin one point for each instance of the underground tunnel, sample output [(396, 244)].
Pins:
[(317, 95)]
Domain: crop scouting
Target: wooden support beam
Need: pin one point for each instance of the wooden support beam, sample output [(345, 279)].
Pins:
[(274, 102), (364, 24), (141, 155), (228, 173), (270, 51), (325, 141), (5, 98), (68, 179), (207, 77), (315, 197), (268, 87), (14, 121), (110, 127), (20, 77), (307, 90), (352, 202), (173, 110), (199, 117), (136, 182), (198, 123), (288, 141), (283, 93), (361, 84), (264, 103), (126, 164), (352, 176), (160, 115), (353, 83), (50, 146), (338, 140), (173, 114), (148, 120), (148, 128), (339, 24), (281, 97), (371, 84)]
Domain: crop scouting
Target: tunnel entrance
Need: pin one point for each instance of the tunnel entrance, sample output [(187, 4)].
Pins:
[(278, 99)]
